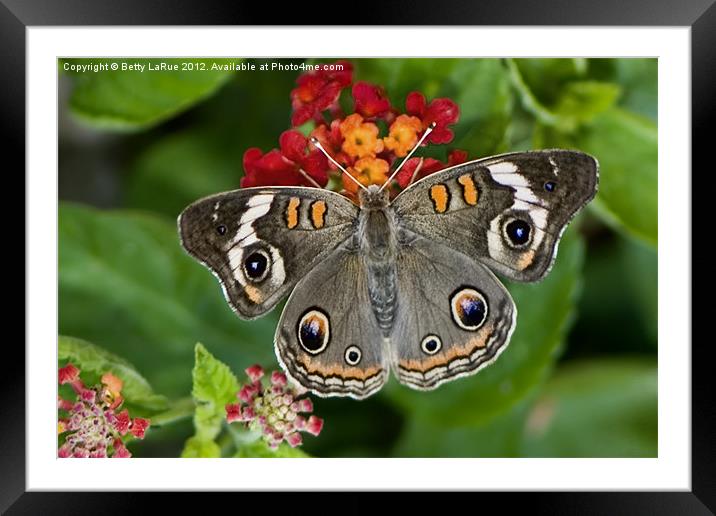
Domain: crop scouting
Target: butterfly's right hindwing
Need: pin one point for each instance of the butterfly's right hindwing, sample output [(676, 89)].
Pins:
[(260, 241)]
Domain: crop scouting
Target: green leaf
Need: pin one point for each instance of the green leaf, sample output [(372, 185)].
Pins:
[(626, 147), (184, 167), (126, 284), (133, 99), (641, 265), (572, 103), (581, 101), (480, 87), (625, 270), (545, 78), (206, 158), (196, 447), (544, 310), (214, 386), (596, 408), (501, 436), (90, 358), (259, 449), (638, 78)]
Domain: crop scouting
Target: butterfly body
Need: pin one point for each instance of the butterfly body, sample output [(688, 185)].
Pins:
[(377, 241), (403, 285)]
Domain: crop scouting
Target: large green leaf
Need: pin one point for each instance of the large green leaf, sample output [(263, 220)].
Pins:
[(545, 78), (206, 158), (626, 147), (126, 284), (134, 98), (93, 359), (573, 110), (568, 103), (638, 78), (545, 310), (500, 436), (596, 408), (184, 167)]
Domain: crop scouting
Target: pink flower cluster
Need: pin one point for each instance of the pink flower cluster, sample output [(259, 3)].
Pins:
[(92, 425), (275, 409)]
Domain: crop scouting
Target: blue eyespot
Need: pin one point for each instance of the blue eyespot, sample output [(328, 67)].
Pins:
[(469, 309), (550, 186), (256, 265), (518, 231), (221, 229), (473, 311), (314, 332)]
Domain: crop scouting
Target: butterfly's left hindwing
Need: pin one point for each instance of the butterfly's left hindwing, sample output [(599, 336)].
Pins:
[(507, 211), (260, 241)]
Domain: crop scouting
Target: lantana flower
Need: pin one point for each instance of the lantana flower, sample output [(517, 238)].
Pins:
[(94, 429), (292, 165), (278, 411), (403, 135), (318, 91), (367, 143), (331, 139), (369, 171), (360, 138), (442, 111), (370, 100)]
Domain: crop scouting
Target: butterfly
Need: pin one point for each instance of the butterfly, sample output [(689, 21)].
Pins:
[(405, 284)]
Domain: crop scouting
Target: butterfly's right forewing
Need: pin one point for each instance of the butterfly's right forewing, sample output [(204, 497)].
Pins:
[(506, 211)]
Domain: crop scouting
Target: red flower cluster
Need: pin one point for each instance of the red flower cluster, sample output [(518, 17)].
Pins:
[(319, 91), (292, 165), (353, 140), (93, 427), (274, 410)]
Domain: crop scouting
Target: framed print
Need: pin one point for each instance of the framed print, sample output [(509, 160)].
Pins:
[(463, 250)]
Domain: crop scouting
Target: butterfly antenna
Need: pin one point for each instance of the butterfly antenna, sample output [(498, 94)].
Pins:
[(406, 158), (318, 145)]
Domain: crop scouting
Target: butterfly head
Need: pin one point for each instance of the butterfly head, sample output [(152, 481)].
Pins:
[(373, 198)]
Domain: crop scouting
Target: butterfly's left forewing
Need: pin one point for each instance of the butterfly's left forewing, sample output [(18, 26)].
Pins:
[(260, 241)]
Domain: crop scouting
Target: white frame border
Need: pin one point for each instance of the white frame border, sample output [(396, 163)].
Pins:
[(671, 470)]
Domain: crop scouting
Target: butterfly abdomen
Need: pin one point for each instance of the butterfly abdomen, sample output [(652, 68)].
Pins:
[(382, 292), (379, 244)]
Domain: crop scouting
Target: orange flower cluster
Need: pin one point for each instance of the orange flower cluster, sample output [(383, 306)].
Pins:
[(354, 140)]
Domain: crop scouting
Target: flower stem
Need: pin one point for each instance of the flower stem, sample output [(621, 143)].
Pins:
[(179, 409)]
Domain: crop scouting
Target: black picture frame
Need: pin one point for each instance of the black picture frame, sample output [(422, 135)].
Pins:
[(700, 15)]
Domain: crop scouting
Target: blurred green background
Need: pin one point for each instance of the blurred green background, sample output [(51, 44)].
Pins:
[(580, 376)]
